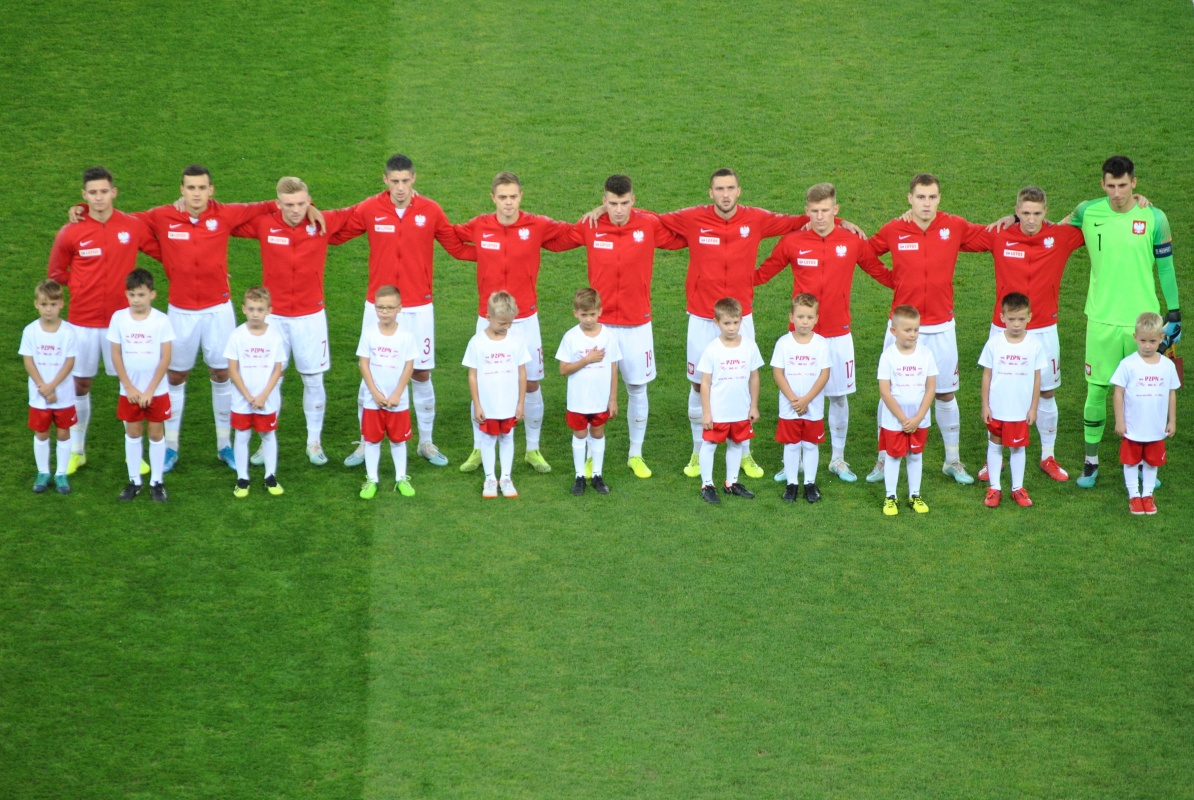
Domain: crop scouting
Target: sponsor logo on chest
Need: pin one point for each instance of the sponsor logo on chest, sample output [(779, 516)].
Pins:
[(278, 240), (806, 262), (714, 240), (486, 244), (91, 252), (908, 246), (603, 244), (1013, 253), (383, 228), (184, 235)]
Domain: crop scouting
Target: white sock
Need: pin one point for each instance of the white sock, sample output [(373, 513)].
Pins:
[(811, 454), (372, 459), (221, 409), (361, 415), (423, 403), (578, 455), (994, 464), (891, 474), (269, 449), (694, 419), (1148, 475), (62, 452), (734, 453), (157, 460), (597, 451), (78, 431), (1015, 458), (315, 400), (636, 416), (792, 462), (707, 453), (949, 419), (240, 450), (1046, 425), (41, 455), (178, 401), (839, 423), (533, 415), (487, 445), (132, 458), (506, 451), (1132, 479), (915, 470), (477, 435), (398, 454)]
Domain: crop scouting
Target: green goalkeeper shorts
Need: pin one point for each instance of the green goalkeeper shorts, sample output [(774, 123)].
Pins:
[(1106, 346)]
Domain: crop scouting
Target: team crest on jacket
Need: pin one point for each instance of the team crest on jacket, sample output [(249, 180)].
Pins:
[(1138, 227), (1048, 242), (212, 224), (123, 236), (744, 231), (310, 230), (638, 236), (420, 220), (524, 233), (944, 234), (840, 250)]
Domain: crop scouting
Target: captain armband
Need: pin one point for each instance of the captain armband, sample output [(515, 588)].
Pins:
[(1163, 250)]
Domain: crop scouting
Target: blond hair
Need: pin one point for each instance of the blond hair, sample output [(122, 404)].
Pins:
[(804, 300), (820, 191), (290, 185), (503, 178), (386, 291), (257, 294), (905, 312), (49, 289), (501, 304), (1148, 322), (586, 299), (727, 307)]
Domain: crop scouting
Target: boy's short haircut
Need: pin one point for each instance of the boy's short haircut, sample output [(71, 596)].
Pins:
[(820, 191), (503, 178), (923, 179), (586, 299), (386, 291), (502, 304), (904, 312), (727, 307), (257, 294), (399, 163), (290, 185), (619, 185), (139, 278), (1117, 166), (1148, 322), (49, 290), (1032, 194), (195, 171), (805, 300), (1015, 301), (724, 172), (97, 174)]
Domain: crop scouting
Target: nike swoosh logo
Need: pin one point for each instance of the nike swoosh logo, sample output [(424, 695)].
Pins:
[(599, 235), (805, 252), (904, 236), (275, 230), (706, 230), (84, 244), (486, 235), (1011, 244), (379, 219), (1099, 224), (175, 224)]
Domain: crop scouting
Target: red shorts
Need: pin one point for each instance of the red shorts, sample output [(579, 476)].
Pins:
[(1151, 453), (158, 410), (262, 423), (1012, 434), (898, 444), (580, 422), (378, 424), (795, 431), (496, 427), (40, 418), (736, 431)]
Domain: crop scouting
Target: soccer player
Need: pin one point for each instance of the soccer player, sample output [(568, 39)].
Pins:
[(293, 256), (48, 348), (386, 356), (801, 365), (620, 249), (924, 246), (729, 369), (497, 381), (907, 383), (92, 257), (1124, 241), (823, 260), (256, 354), (589, 354), (1145, 402), (141, 340), (508, 249), (403, 227), (1013, 363)]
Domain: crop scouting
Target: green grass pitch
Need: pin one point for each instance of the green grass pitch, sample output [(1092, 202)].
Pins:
[(640, 645)]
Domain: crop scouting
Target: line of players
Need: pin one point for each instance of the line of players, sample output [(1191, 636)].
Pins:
[(190, 238)]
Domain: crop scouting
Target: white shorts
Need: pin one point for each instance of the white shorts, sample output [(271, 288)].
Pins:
[(1047, 337), (702, 331), (419, 322), (942, 342), (208, 328), (842, 377), (306, 339), (526, 329), (91, 344), (637, 343)]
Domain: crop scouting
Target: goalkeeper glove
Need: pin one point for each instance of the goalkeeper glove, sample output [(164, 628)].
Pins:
[(1173, 329)]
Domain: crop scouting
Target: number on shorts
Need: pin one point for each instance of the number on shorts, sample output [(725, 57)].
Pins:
[(427, 346), (850, 369), (540, 356), (1053, 361), (650, 355)]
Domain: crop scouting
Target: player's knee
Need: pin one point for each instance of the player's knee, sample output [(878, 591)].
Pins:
[(218, 375), (532, 386), (82, 386), (177, 377), (421, 375), (945, 398), (1047, 394)]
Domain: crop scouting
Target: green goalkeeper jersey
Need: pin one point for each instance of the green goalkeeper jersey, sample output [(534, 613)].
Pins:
[(1121, 259)]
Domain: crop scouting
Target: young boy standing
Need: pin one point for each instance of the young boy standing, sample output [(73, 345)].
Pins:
[(729, 368), (1145, 402), (256, 353), (1012, 362), (48, 347), (800, 365), (387, 360), (907, 385), (589, 354), (497, 380), (141, 338)]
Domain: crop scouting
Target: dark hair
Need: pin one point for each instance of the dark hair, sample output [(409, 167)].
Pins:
[(1119, 165), (1015, 301), (399, 163), (724, 172), (619, 185), (138, 278), (194, 171), (923, 179), (97, 174)]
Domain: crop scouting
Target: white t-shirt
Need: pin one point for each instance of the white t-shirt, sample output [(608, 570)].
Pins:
[(908, 374), (1146, 396), (802, 365), (388, 356), (729, 370), (497, 363), (1013, 367), (588, 387), (49, 352), (255, 357), (141, 343)]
